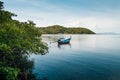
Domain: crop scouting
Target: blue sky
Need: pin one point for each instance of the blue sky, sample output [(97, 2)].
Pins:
[(97, 15)]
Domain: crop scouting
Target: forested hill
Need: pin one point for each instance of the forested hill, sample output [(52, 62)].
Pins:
[(57, 29)]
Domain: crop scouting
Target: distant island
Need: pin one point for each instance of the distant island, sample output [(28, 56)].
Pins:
[(57, 29)]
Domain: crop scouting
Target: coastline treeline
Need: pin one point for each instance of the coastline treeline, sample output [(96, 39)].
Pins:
[(57, 29)]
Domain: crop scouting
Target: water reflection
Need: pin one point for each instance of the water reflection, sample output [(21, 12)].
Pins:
[(87, 57), (60, 45), (26, 68)]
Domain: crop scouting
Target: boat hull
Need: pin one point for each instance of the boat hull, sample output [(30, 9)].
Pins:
[(65, 41)]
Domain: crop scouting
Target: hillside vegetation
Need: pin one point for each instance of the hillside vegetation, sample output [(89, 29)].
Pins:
[(57, 29)]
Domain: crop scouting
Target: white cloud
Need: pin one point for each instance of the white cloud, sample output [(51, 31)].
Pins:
[(44, 14), (95, 23)]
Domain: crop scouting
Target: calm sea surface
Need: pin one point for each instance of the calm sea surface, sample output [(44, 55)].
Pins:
[(87, 57)]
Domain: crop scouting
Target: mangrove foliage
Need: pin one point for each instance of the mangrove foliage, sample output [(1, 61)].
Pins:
[(17, 41)]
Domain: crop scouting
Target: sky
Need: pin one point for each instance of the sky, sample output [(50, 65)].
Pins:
[(98, 15)]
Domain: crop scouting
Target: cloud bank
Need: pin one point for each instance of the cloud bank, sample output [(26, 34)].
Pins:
[(100, 16)]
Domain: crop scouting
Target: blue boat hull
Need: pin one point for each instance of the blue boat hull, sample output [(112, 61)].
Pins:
[(64, 41)]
